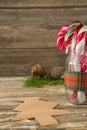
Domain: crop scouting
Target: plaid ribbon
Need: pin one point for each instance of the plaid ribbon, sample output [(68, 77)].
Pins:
[(76, 80)]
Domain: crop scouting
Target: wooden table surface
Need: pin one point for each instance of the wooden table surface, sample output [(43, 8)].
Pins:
[(12, 88)]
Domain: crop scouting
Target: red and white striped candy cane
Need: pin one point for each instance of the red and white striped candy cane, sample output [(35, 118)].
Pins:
[(81, 41), (60, 37), (75, 27), (81, 48), (66, 33)]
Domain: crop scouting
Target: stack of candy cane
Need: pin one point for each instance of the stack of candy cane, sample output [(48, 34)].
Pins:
[(74, 36)]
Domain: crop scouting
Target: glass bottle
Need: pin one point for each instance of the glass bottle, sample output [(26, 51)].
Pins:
[(75, 93)]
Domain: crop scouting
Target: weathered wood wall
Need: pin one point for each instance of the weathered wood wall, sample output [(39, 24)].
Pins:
[(28, 30)]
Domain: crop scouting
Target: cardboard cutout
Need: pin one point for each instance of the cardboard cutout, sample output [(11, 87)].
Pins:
[(43, 111)]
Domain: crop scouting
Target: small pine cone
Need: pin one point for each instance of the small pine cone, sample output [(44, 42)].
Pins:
[(57, 72), (38, 71)]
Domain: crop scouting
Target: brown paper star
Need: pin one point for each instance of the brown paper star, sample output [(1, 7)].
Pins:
[(41, 110)]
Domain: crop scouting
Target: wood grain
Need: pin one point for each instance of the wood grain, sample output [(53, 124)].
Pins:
[(18, 62), (30, 3), (12, 89), (35, 28), (28, 31)]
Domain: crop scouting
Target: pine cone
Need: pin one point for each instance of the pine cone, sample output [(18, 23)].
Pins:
[(38, 71)]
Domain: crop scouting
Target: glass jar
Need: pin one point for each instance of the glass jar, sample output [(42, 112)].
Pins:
[(75, 81)]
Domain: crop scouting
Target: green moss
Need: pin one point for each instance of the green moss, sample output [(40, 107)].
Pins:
[(36, 82)]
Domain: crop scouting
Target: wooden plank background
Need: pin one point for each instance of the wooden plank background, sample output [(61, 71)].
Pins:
[(28, 30)]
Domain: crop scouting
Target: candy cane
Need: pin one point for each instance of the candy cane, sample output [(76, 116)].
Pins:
[(65, 34), (80, 50), (83, 62), (75, 27), (81, 40), (60, 37)]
